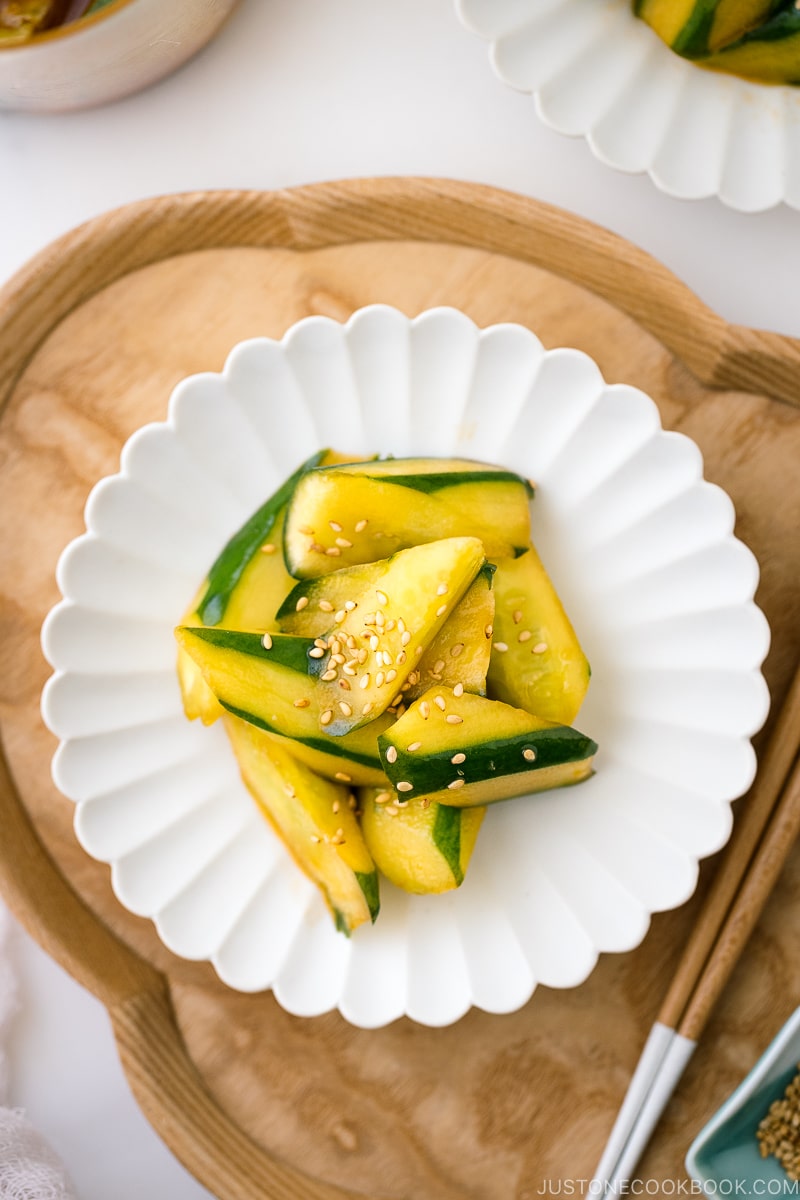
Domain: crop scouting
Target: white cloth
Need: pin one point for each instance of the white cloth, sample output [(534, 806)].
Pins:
[(29, 1170)]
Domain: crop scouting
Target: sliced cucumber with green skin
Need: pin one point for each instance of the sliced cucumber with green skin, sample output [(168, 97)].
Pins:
[(228, 567), (693, 28), (315, 821), (467, 750), (769, 53), (419, 846), (246, 584), (360, 512), (271, 688), (375, 644), (461, 650), (311, 606), (536, 661)]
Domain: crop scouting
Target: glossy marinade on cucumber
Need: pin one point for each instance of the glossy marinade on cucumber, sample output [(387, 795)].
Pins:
[(360, 512), (386, 625)]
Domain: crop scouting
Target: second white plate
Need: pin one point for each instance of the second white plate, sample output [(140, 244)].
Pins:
[(598, 72)]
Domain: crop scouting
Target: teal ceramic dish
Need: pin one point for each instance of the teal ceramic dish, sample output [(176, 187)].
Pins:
[(725, 1154)]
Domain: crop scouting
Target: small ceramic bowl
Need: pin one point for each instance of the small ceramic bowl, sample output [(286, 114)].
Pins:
[(125, 46), (725, 1154)]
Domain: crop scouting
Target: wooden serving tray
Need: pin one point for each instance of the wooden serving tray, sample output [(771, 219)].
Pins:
[(93, 335)]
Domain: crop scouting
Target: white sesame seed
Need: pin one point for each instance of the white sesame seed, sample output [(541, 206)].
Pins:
[(352, 803), (414, 746), (452, 719), (266, 642), (374, 642), (489, 630), (440, 702), (401, 625), (529, 754), (404, 786), (458, 690), (379, 679), (438, 665), (343, 542), (326, 606), (306, 529), (337, 658), (402, 803), (382, 797), (386, 658), (335, 526), (401, 658), (313, 838), (441, 589), (339, 616), (333, 552), (405, 639), (345, 709), (321, 643), (458, 758), (389, 626), (315, 546), (368, 707), (391, 754), (391, 810), (326, 717), (457, 783), (364, 680), (349, 605), (398, 698), (316, 652), (349, 669), (501, 647), (360, 526), (382, 597), (418, 651), (380, 619), (302, 703), (344, 684), (437, 675), (539, 648), (525, 636), (441, 610), (424, 709), (269, 548), (329, 675), (301, 604), (517, 616), (362, 656), (456, 650), (336, 805), (413, 678), (335, 646), (345, 779)]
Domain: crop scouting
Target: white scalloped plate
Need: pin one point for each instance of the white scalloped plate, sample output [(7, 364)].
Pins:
[(596, 71), (642, 551)]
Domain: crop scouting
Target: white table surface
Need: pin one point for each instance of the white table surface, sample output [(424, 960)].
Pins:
[(292, 92)]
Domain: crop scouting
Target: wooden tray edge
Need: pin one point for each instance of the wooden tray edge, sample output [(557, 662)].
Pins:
[(719, 354)]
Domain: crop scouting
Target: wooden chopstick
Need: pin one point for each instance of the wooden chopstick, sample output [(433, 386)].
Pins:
[(756, 811), (767, 863), (762, 839)]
